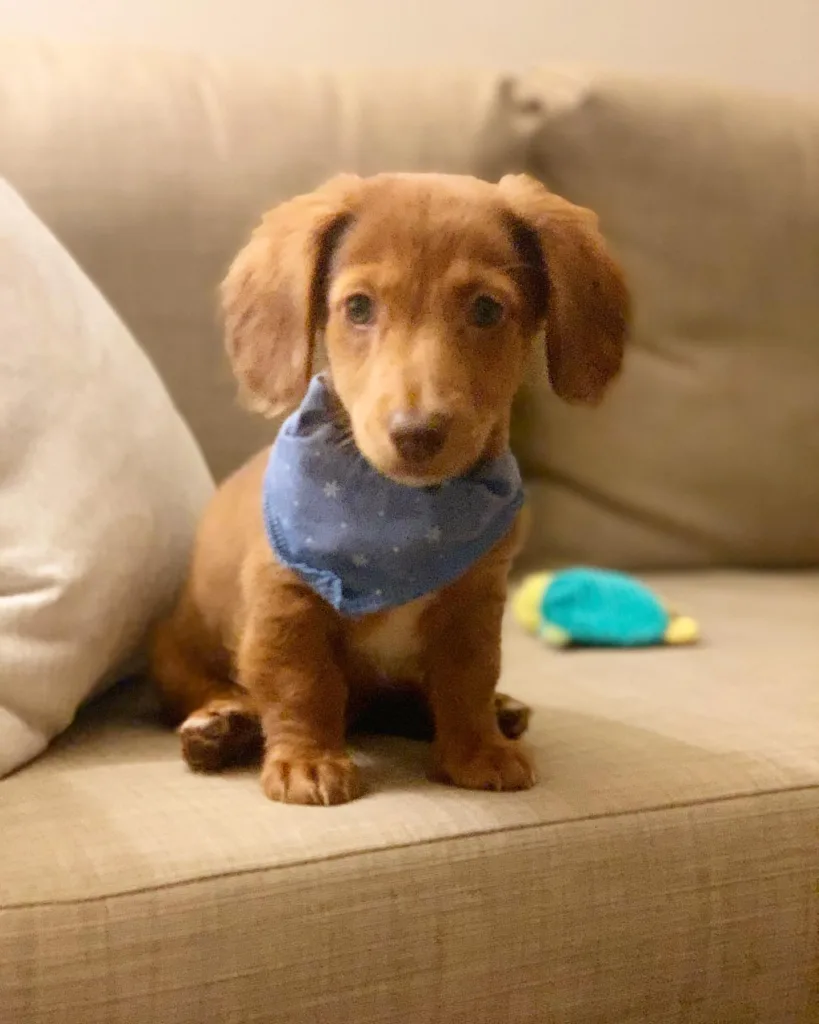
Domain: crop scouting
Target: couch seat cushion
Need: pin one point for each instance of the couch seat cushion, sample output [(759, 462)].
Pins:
[(678, 799)]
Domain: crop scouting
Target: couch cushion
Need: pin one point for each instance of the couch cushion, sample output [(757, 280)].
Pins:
[(706, 452), (663, 870), (153, 168), (101, 485)]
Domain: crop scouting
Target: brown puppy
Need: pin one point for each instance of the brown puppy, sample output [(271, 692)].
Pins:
[(429, 291)]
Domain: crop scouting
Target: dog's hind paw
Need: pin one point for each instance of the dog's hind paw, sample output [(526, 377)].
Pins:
[(223, 734), (513, 716)]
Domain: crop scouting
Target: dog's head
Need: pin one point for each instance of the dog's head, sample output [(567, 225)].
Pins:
[(429, 291)]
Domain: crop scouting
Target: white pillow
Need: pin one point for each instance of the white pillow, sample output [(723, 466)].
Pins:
[(101, 484)]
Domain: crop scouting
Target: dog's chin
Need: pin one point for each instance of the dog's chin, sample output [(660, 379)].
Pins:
[(413, 474), (410, 475), (418, 480)]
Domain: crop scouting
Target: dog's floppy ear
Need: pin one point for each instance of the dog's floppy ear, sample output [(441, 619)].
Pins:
[(274, 293), (586, 301)]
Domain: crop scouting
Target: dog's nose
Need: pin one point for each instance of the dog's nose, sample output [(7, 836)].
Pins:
[(418, 436)]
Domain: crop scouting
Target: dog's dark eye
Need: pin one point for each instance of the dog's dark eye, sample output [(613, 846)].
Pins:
[(485, 311), (360, 309)]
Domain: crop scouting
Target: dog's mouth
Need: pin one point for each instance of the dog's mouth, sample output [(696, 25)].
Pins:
[(423, 461), (452, 462), (408, 474)]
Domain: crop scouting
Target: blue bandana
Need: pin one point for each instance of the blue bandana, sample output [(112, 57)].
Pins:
[(362, 541)]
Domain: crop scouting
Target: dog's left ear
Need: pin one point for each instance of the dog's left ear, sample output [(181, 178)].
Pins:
[(587, 305), (273, 297)]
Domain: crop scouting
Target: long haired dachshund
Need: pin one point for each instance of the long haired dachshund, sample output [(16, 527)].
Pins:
[(367, 552)]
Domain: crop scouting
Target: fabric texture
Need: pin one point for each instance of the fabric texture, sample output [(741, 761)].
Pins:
[(101, 485), (153, 168), (705, 451), (663, 870), (362, 541)]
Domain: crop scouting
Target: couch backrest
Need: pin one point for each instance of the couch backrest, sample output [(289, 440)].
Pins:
[(152, 169), (707, 451)]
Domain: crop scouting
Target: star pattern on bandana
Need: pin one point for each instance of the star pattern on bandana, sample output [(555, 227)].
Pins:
[(360, 540)]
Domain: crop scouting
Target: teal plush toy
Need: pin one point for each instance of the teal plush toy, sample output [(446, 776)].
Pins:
[(598, 608)]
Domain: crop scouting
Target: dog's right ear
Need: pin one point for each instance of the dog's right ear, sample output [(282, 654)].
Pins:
[(273, 297), (588, 307)]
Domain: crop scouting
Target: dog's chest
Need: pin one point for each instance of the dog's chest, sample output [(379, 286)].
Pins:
[(390, 646)]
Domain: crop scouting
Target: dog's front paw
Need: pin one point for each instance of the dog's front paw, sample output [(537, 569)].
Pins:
[(318, 779), (498, 766)]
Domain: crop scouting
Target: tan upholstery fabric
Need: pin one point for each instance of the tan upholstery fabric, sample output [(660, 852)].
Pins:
[(707, 451), (152, 169), (664, 869)]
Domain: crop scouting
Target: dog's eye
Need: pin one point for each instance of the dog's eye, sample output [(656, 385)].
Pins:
[(485, 311), (360, 309)]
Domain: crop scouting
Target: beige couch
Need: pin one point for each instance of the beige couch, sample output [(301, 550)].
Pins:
[(666, 867)]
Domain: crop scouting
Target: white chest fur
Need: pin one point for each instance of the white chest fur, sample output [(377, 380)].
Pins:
[(393, 646)]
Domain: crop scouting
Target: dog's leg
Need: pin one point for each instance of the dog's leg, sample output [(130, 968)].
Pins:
[(470, 748), (285, 660)]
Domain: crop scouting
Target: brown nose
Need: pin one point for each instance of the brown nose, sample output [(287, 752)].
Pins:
[(417, 436)]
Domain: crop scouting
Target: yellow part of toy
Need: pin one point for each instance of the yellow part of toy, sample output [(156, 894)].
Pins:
[(682, 629), (527, 600), (555, 636)]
